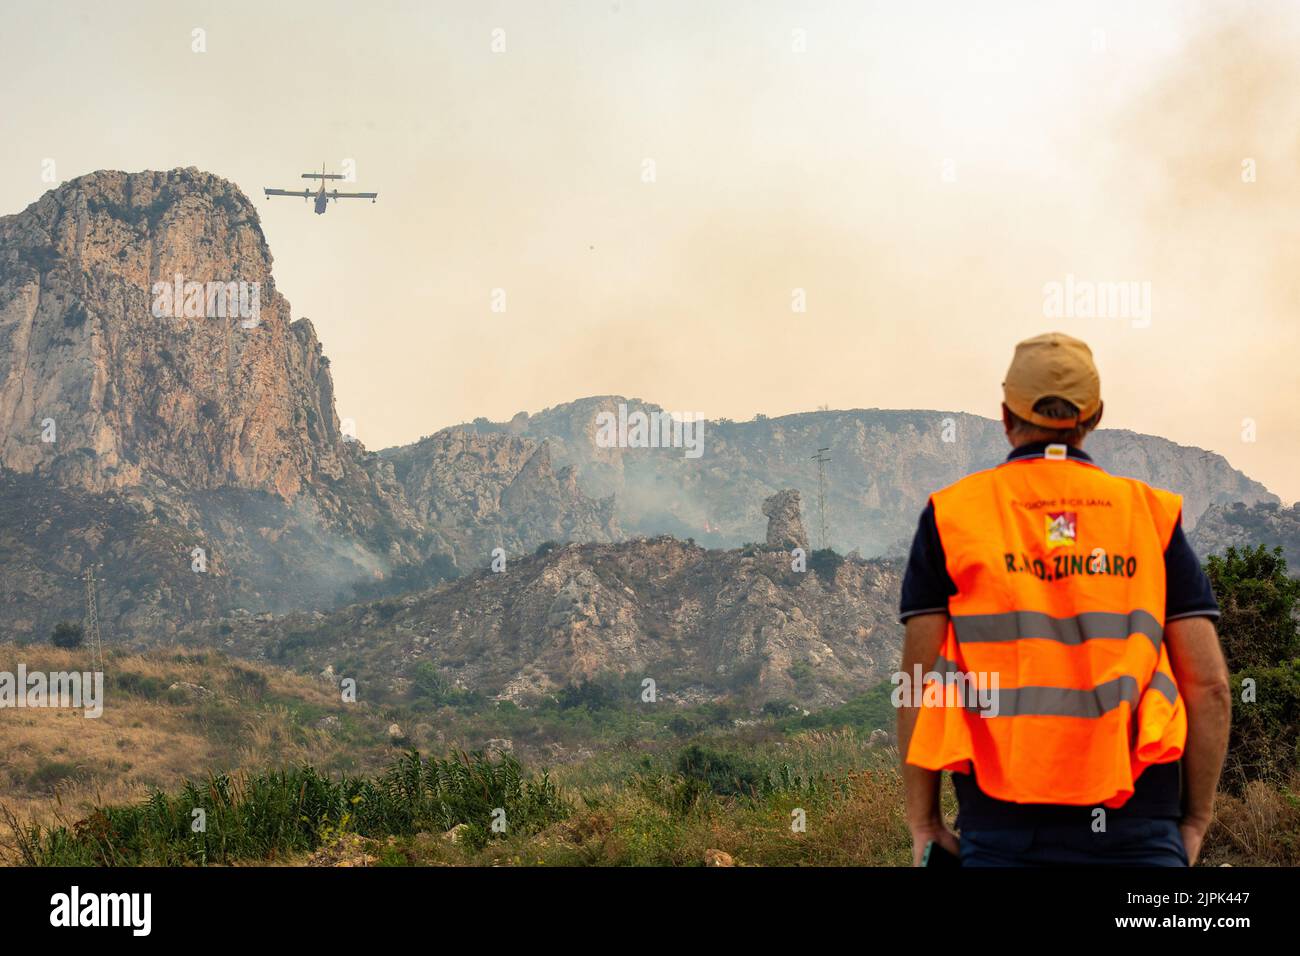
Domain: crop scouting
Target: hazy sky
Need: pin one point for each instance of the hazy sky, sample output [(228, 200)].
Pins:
[(920, 170)]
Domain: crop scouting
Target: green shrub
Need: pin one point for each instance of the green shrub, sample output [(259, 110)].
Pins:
[(721, 772), (745, 674), (137, 685), (270, 815), (248, 683), (50, 773), (67, 634), (867, 712), (685, 725), (825, 562), (1260, 640), (288, 648), (780, 707), (589, 695), (1265, 739), (1257, 599)]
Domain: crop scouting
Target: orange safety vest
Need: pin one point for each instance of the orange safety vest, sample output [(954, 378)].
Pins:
[(1060, 577)]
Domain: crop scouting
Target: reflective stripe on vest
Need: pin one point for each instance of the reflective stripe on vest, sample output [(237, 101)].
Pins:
[(1053, 683)]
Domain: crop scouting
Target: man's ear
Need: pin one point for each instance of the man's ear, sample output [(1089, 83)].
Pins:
[(1006, 419), (1101, 407)]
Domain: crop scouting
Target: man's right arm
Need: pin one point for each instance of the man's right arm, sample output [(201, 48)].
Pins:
[(1202, 675), (927, 587), (924, 636)]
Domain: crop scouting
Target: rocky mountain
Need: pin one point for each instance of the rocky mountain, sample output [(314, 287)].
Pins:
[(163, 418), (135, 391), (883, 465), (165, 421), (1241, 526), (699, 623)]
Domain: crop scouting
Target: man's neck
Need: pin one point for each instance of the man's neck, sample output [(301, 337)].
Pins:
[(1047, 438), (1038, 449)]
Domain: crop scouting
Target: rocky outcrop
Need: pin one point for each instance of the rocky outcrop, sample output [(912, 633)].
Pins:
[(785, 521), (698, 623), (1241, 526)]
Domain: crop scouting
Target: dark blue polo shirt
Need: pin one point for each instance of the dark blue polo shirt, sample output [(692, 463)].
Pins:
[(926, 589)]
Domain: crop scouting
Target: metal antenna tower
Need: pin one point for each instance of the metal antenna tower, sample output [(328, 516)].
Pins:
[(92, 623), (821, 491)]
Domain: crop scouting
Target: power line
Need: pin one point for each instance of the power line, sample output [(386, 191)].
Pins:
[(821, 491), (92, 623)]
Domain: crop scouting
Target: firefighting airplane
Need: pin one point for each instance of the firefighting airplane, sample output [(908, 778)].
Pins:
[(322, 195)]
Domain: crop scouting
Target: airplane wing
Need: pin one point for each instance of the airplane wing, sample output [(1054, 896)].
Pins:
[(285, 192), (338, 195)]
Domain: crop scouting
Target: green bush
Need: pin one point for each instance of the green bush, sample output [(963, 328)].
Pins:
[(589, 695), (431, 689), (1259, 634), (723, 773), (288, 649), (1257, 600), (248, 683), (866, 712), (428, 685), (137, 685), (271, 815), (745, 674), (50, 773), (685, 725), (67, 634), (825, 562), (1265, 740)]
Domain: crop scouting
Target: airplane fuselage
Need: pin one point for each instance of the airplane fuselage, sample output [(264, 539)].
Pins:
[(322, 195)]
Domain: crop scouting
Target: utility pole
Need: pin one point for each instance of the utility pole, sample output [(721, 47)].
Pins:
[(821, 491), (92, 623)]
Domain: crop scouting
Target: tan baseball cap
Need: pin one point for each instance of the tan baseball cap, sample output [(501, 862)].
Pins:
[(1052, 365)]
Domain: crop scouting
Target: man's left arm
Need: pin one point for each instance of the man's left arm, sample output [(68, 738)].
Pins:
[(1202, 675), (1196, 657)]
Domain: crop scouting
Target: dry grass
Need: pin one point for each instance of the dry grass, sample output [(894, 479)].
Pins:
[(59, 763), (1259, 828), (55, 765)]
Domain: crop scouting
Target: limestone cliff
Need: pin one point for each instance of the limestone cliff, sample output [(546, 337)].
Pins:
[(884, 464), (204, 401)]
